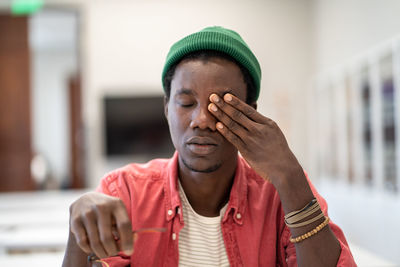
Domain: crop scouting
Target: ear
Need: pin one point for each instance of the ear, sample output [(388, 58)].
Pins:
[(166, 101), (254, 105)]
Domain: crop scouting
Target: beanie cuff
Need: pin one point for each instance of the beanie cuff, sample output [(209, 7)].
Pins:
[(218, 39)]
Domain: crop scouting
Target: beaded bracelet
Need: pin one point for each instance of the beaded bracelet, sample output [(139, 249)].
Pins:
[(310, 233)]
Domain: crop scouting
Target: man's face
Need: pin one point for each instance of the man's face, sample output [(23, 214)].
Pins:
[(200, 146)]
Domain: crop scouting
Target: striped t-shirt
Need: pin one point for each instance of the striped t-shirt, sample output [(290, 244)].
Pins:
[(200, 240)]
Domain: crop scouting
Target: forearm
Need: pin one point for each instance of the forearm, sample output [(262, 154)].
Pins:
[(263, 145), (321, 249), (74, 255)]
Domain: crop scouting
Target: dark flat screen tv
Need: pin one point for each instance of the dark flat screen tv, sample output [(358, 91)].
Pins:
[(136, 126)]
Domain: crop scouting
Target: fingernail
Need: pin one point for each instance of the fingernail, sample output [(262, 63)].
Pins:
[(228, 97), (215, 98), (219, 125), (213, 107), (135, 237)]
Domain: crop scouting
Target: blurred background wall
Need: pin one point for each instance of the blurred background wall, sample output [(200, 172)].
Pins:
[(90, 62), (344, 29), (355, 91)]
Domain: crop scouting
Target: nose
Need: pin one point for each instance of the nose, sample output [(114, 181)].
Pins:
[(203, 119)]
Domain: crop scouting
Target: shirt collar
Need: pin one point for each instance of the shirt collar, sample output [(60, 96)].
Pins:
[(173, 201), (237, 200), (238, 197)]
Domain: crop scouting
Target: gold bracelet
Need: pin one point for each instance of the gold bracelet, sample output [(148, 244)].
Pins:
[(311, 233)]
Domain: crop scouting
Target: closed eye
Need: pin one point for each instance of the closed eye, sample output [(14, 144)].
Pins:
[(185, 102), (185, 98), (184, 105)]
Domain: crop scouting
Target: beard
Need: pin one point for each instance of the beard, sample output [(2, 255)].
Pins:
[(205, 170)]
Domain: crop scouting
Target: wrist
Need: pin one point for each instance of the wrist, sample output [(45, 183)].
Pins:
[(294, 190), (288, 178)]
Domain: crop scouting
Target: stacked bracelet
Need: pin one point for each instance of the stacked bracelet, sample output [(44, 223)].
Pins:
[(311, 233), (312, 203), (297, 216), (293, 219)]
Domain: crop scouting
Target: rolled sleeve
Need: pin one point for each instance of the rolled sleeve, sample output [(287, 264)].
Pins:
[(345, 259)]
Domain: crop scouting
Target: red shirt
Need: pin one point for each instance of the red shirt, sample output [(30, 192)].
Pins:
[(253, 228)]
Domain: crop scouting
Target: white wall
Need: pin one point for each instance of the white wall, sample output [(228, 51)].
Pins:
[(344, 29), (126, 43)]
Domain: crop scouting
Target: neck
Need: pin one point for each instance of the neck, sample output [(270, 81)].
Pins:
[(207, 192)]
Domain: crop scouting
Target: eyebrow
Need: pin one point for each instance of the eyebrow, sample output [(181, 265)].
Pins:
[(185, 91)]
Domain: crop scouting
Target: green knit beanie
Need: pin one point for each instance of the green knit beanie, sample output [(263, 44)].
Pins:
[(219, 39)]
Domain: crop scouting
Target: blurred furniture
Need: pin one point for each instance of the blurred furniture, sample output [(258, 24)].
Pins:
[(34, 224), (15, 105)]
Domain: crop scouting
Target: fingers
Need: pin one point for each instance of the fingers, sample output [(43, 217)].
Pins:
[(105, 231), (93, 235), (230, 136), (101, 224), (230, 116), (78, 230), (238, 122), (124, 228), (234, 105), (223, 117)]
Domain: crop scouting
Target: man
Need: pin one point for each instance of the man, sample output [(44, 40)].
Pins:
[(209, 206)]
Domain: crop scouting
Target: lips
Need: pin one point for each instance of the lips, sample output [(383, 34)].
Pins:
[(201, 145), (201, 140)]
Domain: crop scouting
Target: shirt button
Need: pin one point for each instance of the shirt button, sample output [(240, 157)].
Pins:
[(169, 212), (238, 216), (173, 236)]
